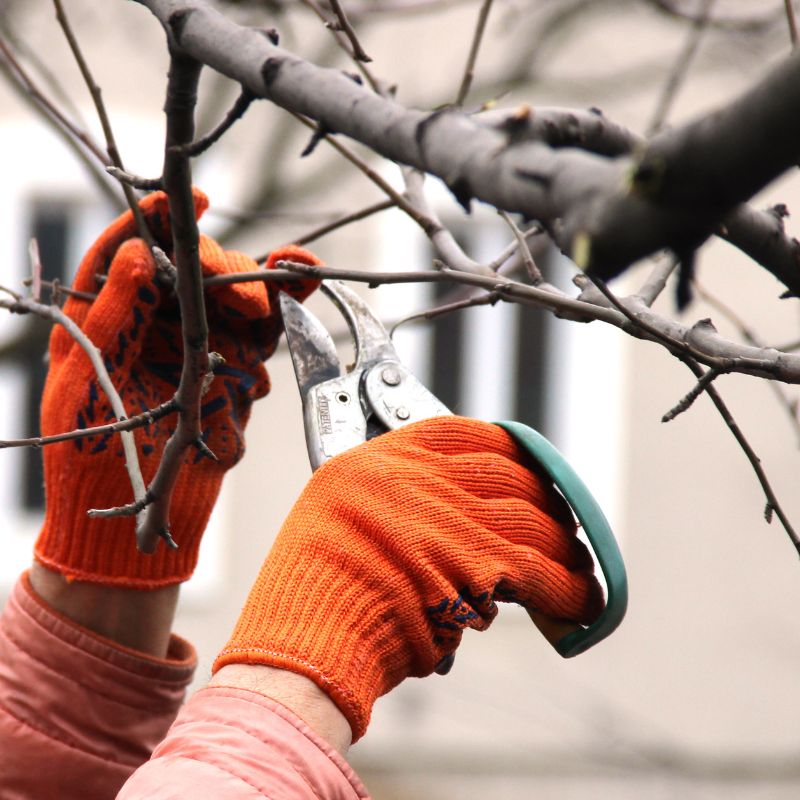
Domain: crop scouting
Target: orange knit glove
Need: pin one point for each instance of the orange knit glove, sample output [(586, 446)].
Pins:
[(398, 545), (135, 324)]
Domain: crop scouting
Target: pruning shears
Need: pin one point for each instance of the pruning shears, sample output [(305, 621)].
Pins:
[(344, 407)]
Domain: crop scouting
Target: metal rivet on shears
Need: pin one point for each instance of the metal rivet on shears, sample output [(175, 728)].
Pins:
[(391, 377), (402, 413)]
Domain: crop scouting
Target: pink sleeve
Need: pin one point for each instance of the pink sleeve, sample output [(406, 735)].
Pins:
[(237, 744), (78, 714)]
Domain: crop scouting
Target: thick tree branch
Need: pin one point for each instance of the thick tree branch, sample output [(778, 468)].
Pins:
[(612, 211)]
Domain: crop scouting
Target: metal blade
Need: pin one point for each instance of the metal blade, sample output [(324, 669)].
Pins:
[(310, 345), (372, 343)]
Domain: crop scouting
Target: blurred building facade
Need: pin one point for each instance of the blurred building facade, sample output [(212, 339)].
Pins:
[(695, 696)]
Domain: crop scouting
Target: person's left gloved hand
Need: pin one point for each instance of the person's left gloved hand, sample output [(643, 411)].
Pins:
[(135, 324)]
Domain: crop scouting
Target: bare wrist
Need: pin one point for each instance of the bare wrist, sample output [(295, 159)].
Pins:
[(298, 693), (134, 618)]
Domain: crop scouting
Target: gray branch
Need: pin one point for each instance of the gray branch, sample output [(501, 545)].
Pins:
[(606, 213)]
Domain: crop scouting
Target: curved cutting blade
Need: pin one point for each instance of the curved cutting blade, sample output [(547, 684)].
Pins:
[(372, 343), (312, 349)]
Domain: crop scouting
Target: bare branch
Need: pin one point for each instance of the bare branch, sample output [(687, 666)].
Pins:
[(530, 265), (137, 182), (681, 68), (36, 271), (705, 384), (486, 299), (179, 107), (699, 340), (449, 250), (687, 401), (344, 25), (345, 45), (785, 402), (675, 195), (772, 501), (130, 424), (657, 280), (427, 224), (323, 230), (56, 288), (55, 314), (236, 112), (79, 141), (472, 58), (790, 18), (105, 122)]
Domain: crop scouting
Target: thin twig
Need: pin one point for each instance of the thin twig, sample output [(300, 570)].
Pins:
[(85, 157), (398, 199), (136, 181), (130, 424), (49, 108), (676, 346), (55, 314), (105, 122), (785, 402), (355, 216), (657, 280), (681, 68), (772, 501), (469, 68), (527, 258), (36, 271), (235, 113), (55, 286), (686, 402), (790, 18), (358, 51), (488, 299), (501, 259), (342, 41), (446, 245)]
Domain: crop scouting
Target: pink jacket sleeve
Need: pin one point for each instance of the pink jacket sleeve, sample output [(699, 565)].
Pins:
[(239, 745), (78, 714)]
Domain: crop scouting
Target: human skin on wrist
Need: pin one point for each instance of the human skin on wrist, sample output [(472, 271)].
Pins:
[(140, 619), (297, 693)]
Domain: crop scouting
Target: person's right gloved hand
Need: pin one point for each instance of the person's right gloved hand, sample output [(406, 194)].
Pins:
[(396, 546)]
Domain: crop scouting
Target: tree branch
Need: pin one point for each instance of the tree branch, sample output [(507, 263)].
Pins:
[(55, 314), (472, 57), (105, 122), (675, 195), (129, 424), (179, 107)]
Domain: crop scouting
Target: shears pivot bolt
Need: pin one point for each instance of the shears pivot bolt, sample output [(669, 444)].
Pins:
[(391, 377)]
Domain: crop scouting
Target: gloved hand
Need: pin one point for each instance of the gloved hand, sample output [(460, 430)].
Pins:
[(399, 544), (135, 324)]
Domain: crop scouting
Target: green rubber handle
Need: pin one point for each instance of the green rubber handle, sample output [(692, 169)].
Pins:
[(597, 529)]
